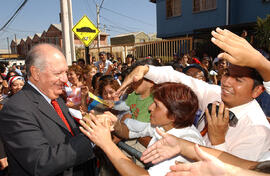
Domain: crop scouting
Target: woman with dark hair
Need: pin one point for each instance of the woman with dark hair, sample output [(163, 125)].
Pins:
[(185, 60), (3, 88), (86, 103), (106, 87), (10, 74), (173, 110), (95, 80), (15, 84), (88, 72)]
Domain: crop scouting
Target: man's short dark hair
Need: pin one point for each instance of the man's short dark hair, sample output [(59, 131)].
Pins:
[(150, 61), (81, 60), (195, 66), (246, 72), (102, 53)]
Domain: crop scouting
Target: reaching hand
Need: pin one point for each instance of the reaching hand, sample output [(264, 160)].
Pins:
[(208, 166), (108, 118), (94, 130), (1, 97), (101, 66), (84, 91), (3, 163), (5, 84), (217, 124), (83, 110), (237, 50), (136, 75), (163, 149)]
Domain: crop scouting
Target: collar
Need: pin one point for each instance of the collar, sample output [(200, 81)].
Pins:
[(46, 98)]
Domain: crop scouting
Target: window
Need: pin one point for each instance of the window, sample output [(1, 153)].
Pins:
[(56, 40), (173, 8), (142, 40), (202, 5)]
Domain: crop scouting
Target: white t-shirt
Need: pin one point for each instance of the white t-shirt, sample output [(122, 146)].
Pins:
[(107, 64)]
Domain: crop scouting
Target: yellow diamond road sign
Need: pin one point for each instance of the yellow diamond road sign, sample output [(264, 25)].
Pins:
[(85, 30)]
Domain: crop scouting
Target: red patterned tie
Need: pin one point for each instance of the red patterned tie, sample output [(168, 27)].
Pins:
[(60, 113)]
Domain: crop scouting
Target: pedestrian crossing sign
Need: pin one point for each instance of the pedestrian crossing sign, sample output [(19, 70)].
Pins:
[(85, 30)]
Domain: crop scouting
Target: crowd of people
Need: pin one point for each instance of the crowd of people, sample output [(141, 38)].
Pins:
[(191, 116)]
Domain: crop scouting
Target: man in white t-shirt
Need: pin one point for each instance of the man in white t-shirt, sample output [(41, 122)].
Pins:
[(103, 64)]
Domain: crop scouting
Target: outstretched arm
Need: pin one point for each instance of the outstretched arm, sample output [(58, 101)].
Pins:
[(100, 135), (209, 166), (136, 75), (239, 52), (169, 146)]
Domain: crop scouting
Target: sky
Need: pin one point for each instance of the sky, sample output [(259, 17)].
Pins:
[(116, 16)]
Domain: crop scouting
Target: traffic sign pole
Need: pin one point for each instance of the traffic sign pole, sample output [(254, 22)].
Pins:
[(87, 55)]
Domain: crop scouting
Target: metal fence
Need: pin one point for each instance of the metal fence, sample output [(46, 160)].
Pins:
[(163, 49)]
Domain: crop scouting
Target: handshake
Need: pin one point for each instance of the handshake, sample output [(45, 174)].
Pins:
[(98, 127), (107, 119)]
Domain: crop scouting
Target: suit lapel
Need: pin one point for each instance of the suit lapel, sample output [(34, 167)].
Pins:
[(68, 116), (50, 112), (43, 105)]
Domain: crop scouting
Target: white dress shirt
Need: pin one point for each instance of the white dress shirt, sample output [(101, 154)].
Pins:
[(46, 98), (250, 139), (267, 86), (188, 133)]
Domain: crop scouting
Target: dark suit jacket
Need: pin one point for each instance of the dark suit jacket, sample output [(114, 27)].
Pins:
[(2, 150), (37, 142)]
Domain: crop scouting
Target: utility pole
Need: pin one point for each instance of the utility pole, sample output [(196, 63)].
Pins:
[(70, 31), (8, 45), (98, 24), (98, 41), (68, 36), (16, 48)]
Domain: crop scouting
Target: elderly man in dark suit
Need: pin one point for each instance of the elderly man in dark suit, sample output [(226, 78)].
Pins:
[(40, 136)]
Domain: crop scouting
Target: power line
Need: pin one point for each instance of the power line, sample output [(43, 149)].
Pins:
[(18, 30), (117, 26), (89, 7), (114, 30), (138, 20), (134, 28), (100, 6), (21, 6)]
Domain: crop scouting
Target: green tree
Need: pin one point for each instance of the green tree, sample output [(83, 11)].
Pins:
[(262, 34)]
